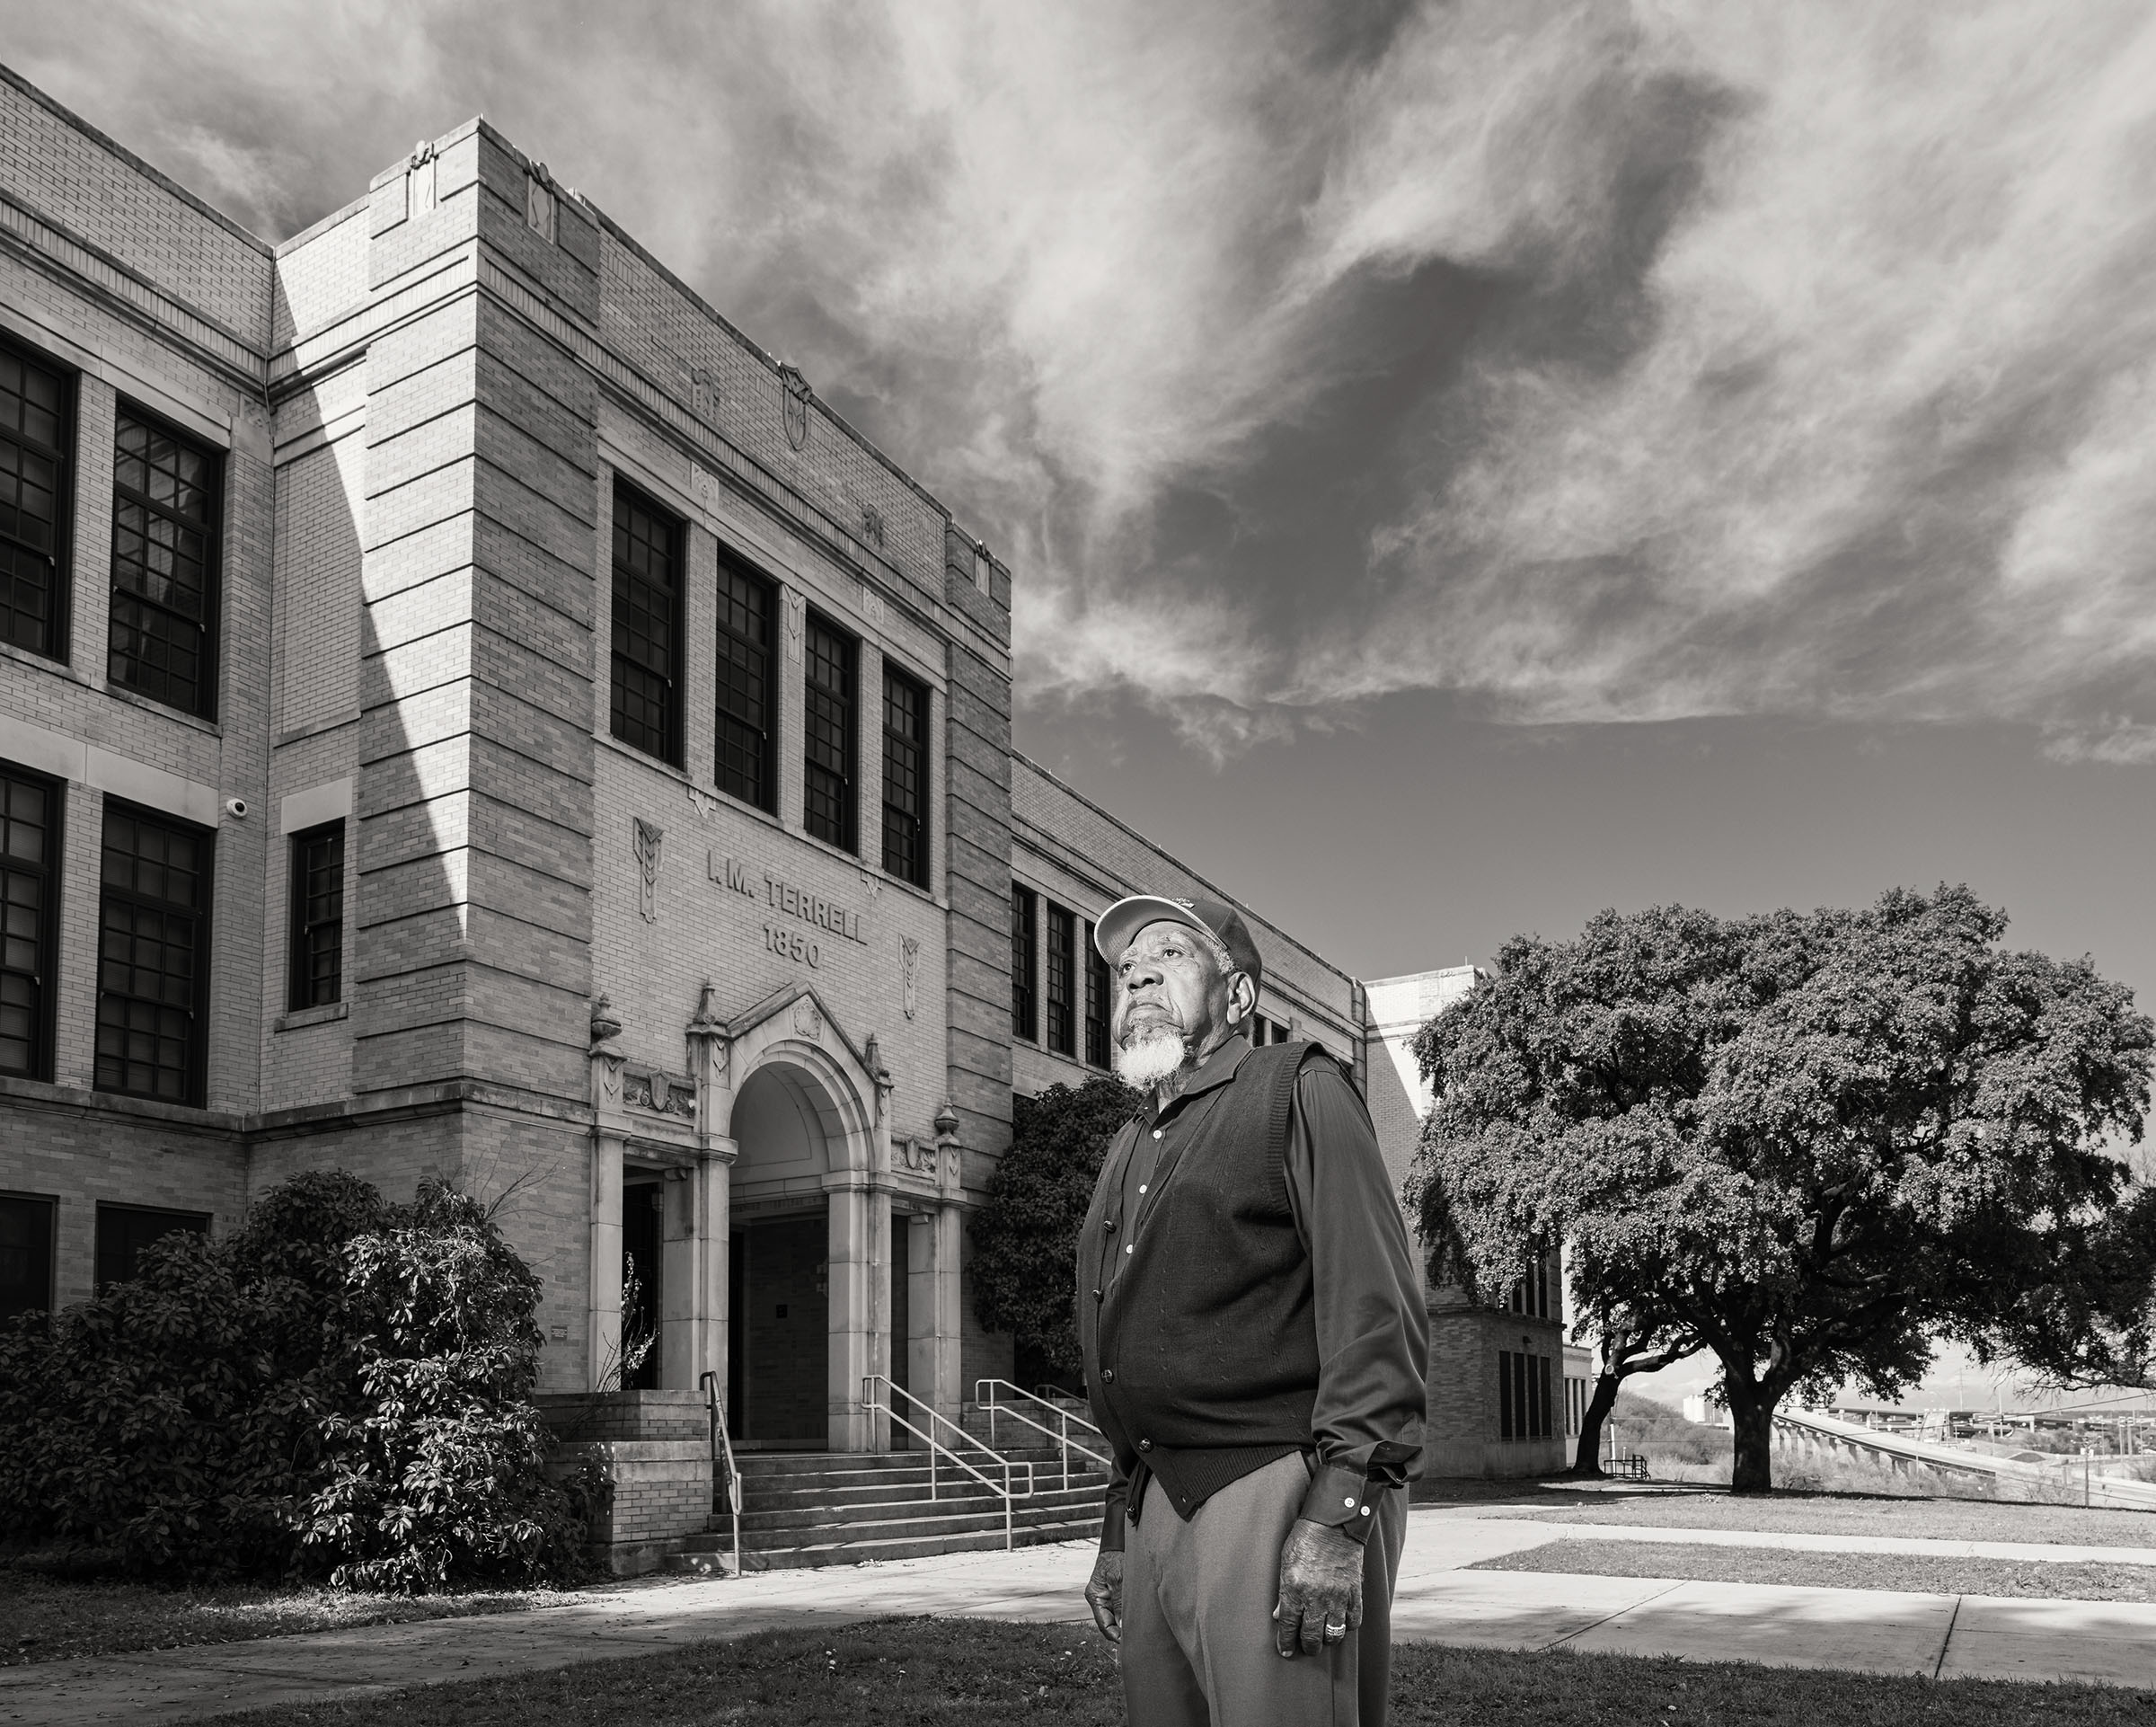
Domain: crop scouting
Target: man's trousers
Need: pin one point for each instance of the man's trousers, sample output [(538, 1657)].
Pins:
[(1198, 1614)]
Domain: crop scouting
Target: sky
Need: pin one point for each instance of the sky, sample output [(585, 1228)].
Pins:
[(1463, 465)]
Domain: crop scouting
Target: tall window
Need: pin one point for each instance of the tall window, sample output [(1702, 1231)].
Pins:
[(744, 734), (905, 777), (1531, 1295), (1025, 963), (1523, 1400), (123, 1231), (153, 970), (35, 440), (647, 626), (1096, 1001), (30, 834), (827, 779), (1063, 977), (317, 940), (165, 564), (25, 1256)]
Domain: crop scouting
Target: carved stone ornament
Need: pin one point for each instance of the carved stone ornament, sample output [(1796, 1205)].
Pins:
[(661, 1093), (872, 604), (704, 804), (871, 526), (703, 487), (796, 608), (419, 179), (704, 393), (647, 840), (539, 202), (808, 1019), (797, 405), (917, 1157), (604, 1026), (909, 971)]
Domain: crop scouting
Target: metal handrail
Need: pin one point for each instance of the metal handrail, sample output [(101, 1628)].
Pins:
[(722, 1444), (1062, 1436), (936, 1447)]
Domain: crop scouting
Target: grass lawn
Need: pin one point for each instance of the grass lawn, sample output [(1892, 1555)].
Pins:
[(2065, 1582), (49, 1619), (919, 1671), (1783, 1514)]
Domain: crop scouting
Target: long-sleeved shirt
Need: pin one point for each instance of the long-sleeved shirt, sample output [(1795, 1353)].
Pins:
[(1372, 1331)]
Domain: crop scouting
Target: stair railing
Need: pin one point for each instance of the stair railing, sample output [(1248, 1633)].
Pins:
[(1060, 1432), (887, 1406), (722, 1455)]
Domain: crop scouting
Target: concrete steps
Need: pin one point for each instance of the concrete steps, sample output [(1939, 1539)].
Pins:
[(802, 1509)]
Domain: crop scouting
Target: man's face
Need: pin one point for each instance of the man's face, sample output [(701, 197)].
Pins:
[(1168, 983)]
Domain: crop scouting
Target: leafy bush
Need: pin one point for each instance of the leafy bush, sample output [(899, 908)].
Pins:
[(1025, 1236), (203, 1419)]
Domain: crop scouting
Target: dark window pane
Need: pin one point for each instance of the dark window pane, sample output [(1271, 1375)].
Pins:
[(163, 564), (25, 1257), (1025, 997), (35, 440), (1062, 974), (647, 626), (151, 975), (1505, 1427), (828, 778), (744, 732), (317, 949), (123, 1231), (1096, 1001), (904, 778), (29, 830)]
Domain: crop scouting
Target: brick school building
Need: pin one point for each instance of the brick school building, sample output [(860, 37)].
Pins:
[(465, 710)]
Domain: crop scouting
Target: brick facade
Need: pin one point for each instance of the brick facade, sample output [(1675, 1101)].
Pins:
[(570, 970)]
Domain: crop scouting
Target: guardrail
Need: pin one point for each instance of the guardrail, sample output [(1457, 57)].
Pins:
[(937, 1448), (1061, 1434), (2095, 1488), (722, 1455)]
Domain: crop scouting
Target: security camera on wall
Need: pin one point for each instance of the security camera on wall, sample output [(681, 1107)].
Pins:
[(236, 808)]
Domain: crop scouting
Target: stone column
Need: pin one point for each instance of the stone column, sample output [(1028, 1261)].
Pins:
[(711, 1063), (934, 1316), (877, 1435), (849, 1279), (606, 1343), (681, 1280)]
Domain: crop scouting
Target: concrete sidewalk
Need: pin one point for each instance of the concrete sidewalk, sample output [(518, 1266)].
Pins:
[(1866, 1630)]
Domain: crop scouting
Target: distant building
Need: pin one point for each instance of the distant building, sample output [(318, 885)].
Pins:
[(1507, 1390)]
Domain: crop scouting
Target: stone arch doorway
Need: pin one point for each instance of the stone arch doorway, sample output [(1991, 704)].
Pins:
[(790, 1135)]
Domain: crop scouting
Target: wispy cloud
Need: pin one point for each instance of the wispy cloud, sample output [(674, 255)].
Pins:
[(1586, 361)]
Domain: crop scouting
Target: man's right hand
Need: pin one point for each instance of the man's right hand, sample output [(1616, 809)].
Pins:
[(1104, 1594)]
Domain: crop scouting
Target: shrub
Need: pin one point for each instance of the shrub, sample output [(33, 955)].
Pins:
[(339, 1385), (1025, 1237)]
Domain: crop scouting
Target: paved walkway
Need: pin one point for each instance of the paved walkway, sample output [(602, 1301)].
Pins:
[(1866, 1630)]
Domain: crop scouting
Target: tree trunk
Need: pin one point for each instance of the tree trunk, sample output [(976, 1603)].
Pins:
[(1751, 1414), (1587, 1459)]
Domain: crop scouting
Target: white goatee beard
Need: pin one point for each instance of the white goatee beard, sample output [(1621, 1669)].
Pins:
[(1148, 1058)]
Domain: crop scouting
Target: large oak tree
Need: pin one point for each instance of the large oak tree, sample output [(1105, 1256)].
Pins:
[(1816, 1142)]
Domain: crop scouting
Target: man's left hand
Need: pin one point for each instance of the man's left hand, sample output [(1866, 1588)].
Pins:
[(1320, 1590)]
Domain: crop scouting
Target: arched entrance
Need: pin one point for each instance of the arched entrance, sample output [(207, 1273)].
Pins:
[(789, 1139)]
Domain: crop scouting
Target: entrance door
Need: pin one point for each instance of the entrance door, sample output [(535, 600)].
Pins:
[(642, 1239), (783, 1330)]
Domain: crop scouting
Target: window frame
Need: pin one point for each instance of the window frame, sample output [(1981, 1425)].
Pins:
[(913, 868), (621, 574), (52, 1229), (1025, 962), (848, 839), (61, 616), (198, 1063), (1099, 1000), (200, 1221), (43, 1026), (1059, 951), (213, 560), (767, 734), (298, 972)]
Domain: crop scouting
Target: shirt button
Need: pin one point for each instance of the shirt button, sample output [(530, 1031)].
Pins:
[(1108, 1376), (1156, 1133), (1141, 1187), (1366, 1510), (1145, 1445), (1350, 1501), (1096, 1294), (1130, 1247), (1108, 1227)]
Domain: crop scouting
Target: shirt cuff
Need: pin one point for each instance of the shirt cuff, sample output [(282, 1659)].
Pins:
[(1343, 1500), (1112, 1519)]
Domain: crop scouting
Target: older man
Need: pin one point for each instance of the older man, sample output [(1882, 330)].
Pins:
[(1255, 1347)]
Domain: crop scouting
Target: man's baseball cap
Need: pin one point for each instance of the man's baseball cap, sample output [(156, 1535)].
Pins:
[(1121, 922)]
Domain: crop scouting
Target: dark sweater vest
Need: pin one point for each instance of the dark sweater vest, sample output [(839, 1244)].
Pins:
[(1210, 1330)]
